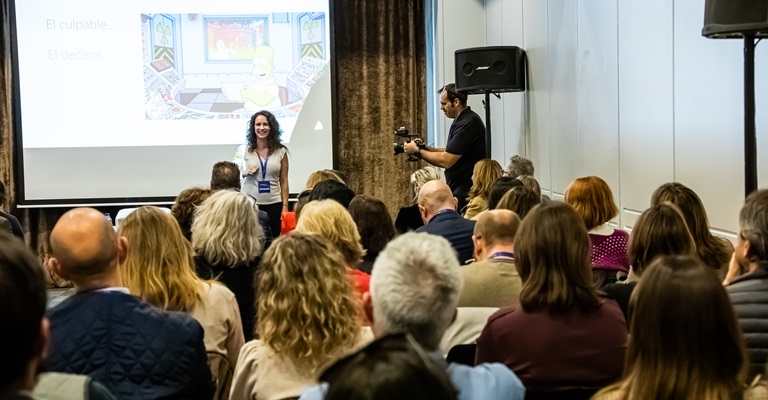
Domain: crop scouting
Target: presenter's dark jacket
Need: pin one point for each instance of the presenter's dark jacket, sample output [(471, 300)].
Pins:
[(136, 350), (457, 229), (467, 139)]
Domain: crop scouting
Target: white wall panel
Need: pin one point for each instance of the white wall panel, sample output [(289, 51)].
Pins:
[(563, 69), (646, 120), (495, 19), (512, 109), (708, 116), (597, 93), (461, 24), (537, 117)]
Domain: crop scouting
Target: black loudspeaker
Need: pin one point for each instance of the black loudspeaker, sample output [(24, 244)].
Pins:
[(735, 19), (495, 68)]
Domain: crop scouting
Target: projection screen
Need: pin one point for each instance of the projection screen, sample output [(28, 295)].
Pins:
[(134, 101)]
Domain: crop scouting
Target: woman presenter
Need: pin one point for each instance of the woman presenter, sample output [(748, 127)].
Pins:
[(265, 167)]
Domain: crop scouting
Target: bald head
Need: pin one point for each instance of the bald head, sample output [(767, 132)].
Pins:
[(85, 248), (434, 197), (495, 231)]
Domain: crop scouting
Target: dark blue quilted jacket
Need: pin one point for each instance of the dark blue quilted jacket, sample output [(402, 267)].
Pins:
[(136, 350)]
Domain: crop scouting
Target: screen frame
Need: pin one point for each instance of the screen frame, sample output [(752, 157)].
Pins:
[(18, 146)]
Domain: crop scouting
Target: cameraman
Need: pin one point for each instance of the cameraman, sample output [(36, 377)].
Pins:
[(465, 147)]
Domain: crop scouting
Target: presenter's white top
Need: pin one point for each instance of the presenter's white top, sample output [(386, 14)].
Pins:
[(266, 171)]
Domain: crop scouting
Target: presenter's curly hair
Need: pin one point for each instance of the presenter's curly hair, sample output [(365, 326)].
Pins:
[(486, 172), (333, 222), (302, 280), (226, 229), (273, 140), (159, 267)]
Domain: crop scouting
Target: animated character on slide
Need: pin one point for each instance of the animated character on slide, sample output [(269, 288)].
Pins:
[(262, 93)]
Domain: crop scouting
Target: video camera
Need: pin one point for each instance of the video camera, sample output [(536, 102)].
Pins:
[(404, 133)]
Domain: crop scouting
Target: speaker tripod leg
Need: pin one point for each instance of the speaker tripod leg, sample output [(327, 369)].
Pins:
[(487, 103), (750, 131)]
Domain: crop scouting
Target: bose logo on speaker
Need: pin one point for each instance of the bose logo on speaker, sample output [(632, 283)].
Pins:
[(483, 68)]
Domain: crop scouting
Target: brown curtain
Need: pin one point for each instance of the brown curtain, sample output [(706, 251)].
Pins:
[(37, 223), (380, 85)]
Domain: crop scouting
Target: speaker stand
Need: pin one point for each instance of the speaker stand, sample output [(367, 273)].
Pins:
[(487, 106), (750, 131)]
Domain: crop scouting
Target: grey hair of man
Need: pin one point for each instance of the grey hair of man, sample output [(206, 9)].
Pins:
[(519, 165), (415, 287), (753, 222)]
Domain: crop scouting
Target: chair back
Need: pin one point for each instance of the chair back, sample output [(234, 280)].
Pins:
[(221, 371), (584, 393), (462, 354)]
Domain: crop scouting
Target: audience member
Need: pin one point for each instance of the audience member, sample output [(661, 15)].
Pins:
[(22, 307), (301, 200), (15, 225), (393, 367), (530, 183), (499, 189), (484, 174), (438, 210), (409, 218), (160, 269), (414, 289), (323, 175), (5, 225), (660, 230), (184, 207), (713, 251), (519, 200), (332, 222), (592, 199), (492, 280), (563, 334), (747, 279), (684, 341), (374, 225), (519, 165), (334, 190), (227, 240), (308, 317), (226, 176), (135, 349)]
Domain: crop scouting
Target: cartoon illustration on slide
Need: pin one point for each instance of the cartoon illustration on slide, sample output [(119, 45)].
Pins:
[(199, 66), (261, 93)]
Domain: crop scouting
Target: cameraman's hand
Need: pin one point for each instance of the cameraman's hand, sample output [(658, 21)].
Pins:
[(411, 147)]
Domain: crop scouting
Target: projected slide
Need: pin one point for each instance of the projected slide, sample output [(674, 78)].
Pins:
[(165, 88), (274, 73)]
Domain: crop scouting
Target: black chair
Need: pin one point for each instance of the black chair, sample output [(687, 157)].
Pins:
[(561, 394), (462, 354)]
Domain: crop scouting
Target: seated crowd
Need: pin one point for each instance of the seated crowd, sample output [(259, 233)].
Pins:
[(514, 297)]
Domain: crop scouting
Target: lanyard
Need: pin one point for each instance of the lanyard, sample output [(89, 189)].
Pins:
[(263, 166)]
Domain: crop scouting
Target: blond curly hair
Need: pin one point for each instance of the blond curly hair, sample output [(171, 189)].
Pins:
[(302, 282), (332, 221)]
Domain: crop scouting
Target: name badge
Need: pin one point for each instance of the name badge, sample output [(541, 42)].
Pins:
[(264, 187)]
